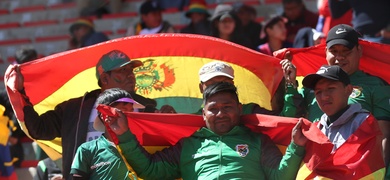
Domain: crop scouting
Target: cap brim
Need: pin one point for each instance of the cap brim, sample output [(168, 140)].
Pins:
[(311, 80), (136, 104), (207, 77), (343, 42)]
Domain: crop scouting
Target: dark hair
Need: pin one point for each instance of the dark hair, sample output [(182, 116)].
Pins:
[(271, 22), (236, 34), (25, 55), (220, 87), (110, 95), (100, 82)]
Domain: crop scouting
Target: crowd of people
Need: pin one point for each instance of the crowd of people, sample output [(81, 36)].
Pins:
[(339, 98)]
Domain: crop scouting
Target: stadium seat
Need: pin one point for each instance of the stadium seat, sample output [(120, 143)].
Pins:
[(29, 9)]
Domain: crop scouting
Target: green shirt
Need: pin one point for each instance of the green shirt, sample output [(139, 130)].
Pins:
[(239, 154), (99, 159), (370, 91)]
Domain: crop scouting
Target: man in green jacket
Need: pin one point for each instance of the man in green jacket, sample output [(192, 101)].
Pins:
[(224, 149)]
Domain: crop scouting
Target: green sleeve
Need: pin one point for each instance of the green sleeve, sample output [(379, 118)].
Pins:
[(293, 103), (81, 162), (160, 165), (381, 102), (288, 166)]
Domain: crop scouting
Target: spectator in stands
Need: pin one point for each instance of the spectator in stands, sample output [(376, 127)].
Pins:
[(307, 37), (101, 150), (198, 14), (83, 34), (250, 27), (76, 116), (151, 20), (298, 17), (343, 49), (25, 55), (340, 123), (199, 155), (371, 19), (217, 71), (226, 25), (275, 36), (325, 19)]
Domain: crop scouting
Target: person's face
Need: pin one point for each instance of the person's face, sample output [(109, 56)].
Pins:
[(277, 31), (122, 77), (292, 10), (221, 113), (226, 26), (331, 96), (79, 32), (152, 19), (216, 79), (197, 17), (123, 106), (347, 59)]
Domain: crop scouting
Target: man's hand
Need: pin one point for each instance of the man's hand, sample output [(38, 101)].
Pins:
[(18, 79), (297, 136), (118, 124), (289, 69)]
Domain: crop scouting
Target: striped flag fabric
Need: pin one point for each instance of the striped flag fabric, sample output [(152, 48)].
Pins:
[(359, 158), (169, 74)]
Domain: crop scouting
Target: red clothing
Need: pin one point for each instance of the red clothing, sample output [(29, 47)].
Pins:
[(307, 19), (329, 22)]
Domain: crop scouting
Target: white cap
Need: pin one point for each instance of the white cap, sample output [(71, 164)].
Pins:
[(215, 68)]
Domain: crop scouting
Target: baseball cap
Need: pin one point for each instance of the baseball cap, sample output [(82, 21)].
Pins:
[(220, 10), (113, 60), (342, 34), (150, 6), (329, 72), (214, 69)]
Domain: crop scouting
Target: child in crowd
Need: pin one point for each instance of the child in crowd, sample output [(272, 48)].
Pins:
[(99, 159)]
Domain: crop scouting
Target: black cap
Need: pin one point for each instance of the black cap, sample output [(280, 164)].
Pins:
[(329, 72), (342, 34), (150, 6)]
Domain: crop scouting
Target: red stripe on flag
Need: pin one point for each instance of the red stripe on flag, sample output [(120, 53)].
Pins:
[(375, 59)]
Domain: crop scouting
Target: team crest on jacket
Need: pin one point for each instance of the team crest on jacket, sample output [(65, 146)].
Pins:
[(242, 149), (356, 92)]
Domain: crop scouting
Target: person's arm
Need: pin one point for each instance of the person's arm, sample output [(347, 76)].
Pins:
[(338, 8), (160, 165), (80, 167), (287, 167), (46, 126)]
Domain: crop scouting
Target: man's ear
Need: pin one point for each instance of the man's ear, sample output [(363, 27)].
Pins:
[(201, 87), (104, 78)]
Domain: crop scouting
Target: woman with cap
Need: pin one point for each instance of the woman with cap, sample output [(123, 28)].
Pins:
[(226, 25), (198, 14), (275, 34), (99, 159)]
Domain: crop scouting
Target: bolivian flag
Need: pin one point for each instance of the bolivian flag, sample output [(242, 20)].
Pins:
[(169, 73)]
